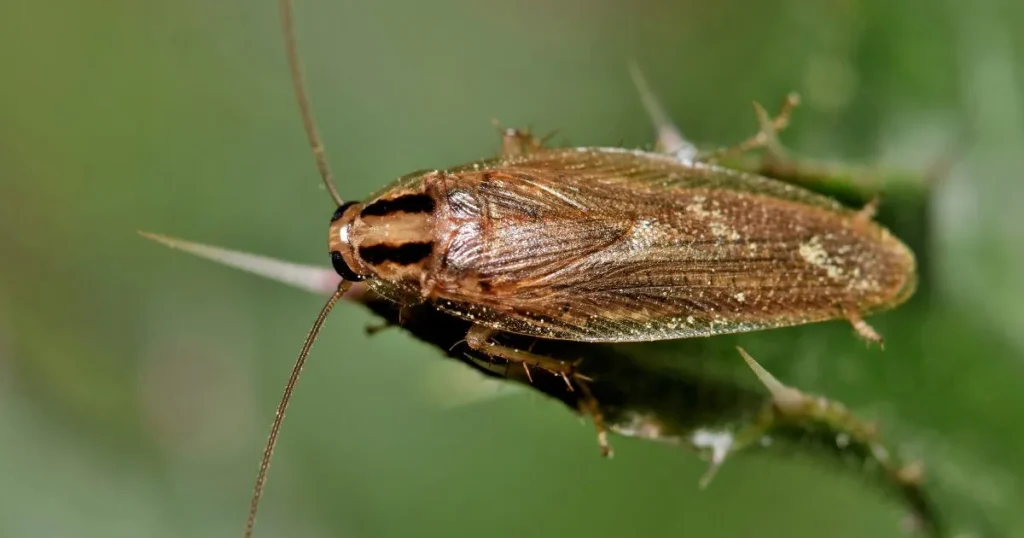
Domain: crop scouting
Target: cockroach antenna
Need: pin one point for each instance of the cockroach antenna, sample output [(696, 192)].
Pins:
[(268, 450), (317, 146), (295, 66)]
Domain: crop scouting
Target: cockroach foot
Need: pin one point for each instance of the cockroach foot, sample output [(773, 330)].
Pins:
[(865, 331), (867, 213), (589, 405), (480, 338), (518, 142)]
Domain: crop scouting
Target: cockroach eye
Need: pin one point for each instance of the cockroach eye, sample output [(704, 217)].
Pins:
[(342, 268), (341, 210)]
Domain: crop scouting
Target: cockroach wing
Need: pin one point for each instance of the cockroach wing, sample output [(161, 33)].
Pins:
[(613, 245)]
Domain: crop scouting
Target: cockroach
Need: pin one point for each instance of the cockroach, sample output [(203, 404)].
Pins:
[(596, 244)]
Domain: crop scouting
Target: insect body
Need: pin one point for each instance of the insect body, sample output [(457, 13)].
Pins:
[(602, 245), (611, 245)]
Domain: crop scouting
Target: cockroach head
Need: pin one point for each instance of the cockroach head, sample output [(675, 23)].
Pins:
[(390, 237), (338, 241)]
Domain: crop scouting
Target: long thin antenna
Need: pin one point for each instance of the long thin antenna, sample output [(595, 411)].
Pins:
[(268, 451), (288, 29)]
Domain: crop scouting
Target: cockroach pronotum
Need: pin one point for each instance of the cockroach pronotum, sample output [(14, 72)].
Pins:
[(598, 244)]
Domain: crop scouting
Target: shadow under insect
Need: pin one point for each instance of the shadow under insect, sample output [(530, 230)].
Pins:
[(708, 412)]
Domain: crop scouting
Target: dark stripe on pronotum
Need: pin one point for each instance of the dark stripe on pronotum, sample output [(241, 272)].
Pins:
[(408, 203), (405, 254)]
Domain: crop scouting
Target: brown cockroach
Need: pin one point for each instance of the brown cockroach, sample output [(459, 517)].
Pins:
[(604, 245)]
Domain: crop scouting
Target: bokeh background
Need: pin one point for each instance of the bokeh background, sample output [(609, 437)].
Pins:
[(136, 383)]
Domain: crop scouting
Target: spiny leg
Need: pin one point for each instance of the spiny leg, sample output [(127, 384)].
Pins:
[(862, 218), (862, 327), (589, 405), (867, 213), (481, 339), (518, 142)]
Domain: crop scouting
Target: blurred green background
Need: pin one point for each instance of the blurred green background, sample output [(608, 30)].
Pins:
[(136, 383)]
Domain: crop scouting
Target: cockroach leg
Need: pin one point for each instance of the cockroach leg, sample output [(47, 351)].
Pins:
[(589, 405), (767, 135), (480, 338), (518, 142), (670, 139), (529, 376), (865, 331), (867, 213)]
